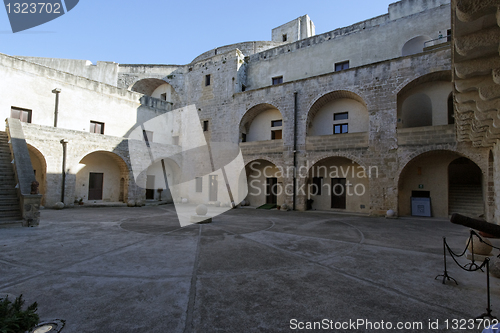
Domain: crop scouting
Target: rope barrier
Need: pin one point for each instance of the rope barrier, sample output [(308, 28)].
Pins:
[(473, 267)]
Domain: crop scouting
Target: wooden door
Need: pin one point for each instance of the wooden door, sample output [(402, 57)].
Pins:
[(339, 193), (271, 191), (95, 185)]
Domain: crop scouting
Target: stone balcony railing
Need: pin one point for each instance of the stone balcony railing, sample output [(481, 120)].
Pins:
[(262, 147), (426, 135), (337, 141)]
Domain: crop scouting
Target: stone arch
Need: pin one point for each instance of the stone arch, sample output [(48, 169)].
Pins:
[(412, 82), (424, 101), (426, 174), (339, 183), (265, 158), (147, 86), (414, 45), (264, 114), (325, 99), (40, 169), (265, 183), (316, 159), (156, 88), (153, 178), (99, 175), (444, 147)]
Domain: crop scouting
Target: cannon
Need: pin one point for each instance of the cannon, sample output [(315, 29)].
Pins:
[(487, 229)]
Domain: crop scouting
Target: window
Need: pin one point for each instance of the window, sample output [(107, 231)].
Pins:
[(207, 80), (277, 80), (199, 184), (96, 127), (340, 116), (276, 135), (340, 129), (148, 136), (243, 87), (276, 123), (285, 37), (205, 126), (243, 137), (340, 66), (163, 97), (23, 115), (317, 185)]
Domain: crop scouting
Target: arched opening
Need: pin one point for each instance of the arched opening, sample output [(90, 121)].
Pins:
[(147, 86), (100, 177), (428, 178), (261, 123), (338, 112), (164, 92), (425, 101), (265, 184), (451, 110), (160, 176), (156, 88), (415, 45), (338, 183), (40, 169), (465, 188)]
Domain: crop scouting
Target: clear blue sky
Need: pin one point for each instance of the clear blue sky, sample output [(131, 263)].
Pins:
[(171, 32)]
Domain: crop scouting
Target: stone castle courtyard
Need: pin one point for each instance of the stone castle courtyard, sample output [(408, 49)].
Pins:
[(118, 269)]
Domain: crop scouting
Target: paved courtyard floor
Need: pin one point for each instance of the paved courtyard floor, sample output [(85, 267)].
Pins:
[(121, 269)]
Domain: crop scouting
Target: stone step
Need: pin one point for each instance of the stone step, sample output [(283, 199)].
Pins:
[(11, 223), (10, 202), (466, 198), (15, 214), (8, 193), (9, 212)]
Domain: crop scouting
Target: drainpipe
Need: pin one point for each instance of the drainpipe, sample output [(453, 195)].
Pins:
[(63, 142), (56, 111), (294, 149)]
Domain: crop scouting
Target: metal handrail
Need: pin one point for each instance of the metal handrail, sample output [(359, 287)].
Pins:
[(433, 40)]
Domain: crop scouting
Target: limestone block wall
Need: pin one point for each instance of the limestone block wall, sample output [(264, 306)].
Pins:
[(102, 71), (46, 140), (382, 146), (427, 135), (81, 100), (365, 43)]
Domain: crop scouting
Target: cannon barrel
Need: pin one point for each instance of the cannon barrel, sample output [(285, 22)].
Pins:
[(483, 226)]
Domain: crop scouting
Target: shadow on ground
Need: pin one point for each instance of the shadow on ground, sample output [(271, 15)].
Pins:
[(135, 269)]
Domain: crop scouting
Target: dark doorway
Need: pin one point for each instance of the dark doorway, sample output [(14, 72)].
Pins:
[(271, 191), (121, 198), (150, 187), (213, 186), (465, 190), (338, 193), (95, 186), (451, 110)]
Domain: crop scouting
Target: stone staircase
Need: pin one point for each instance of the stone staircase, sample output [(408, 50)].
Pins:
[(10, 211), (466, 200)]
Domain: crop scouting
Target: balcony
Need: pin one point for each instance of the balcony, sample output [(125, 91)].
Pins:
[(337, 141), (417, 136), (262, 147)]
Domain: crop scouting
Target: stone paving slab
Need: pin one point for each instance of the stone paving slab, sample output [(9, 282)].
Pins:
[(121, 269)]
